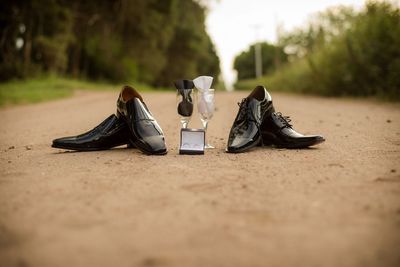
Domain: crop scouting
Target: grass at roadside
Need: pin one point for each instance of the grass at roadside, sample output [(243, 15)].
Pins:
[(50, 87), (298, 79)]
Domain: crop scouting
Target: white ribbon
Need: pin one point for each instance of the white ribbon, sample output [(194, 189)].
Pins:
[(203, 83), (206, 103)]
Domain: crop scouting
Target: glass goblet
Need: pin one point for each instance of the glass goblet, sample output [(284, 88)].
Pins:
[(184, 102), (205, 106)]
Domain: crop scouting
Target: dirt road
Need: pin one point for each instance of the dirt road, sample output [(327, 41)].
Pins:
[(335, 205)]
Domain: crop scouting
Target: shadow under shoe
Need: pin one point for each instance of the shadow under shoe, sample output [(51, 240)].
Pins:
[(245, 132), (112, 132), (276, 130), (149, 137)]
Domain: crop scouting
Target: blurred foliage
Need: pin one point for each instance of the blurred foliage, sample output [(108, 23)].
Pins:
[(272, 57), (190, 51), (342, 52), (150, 41)]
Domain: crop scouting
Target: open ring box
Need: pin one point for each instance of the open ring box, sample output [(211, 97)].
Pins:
[(192, 142)]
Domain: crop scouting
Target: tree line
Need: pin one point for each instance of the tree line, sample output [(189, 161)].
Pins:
[(272, 56), (150, 41), (341, 51)]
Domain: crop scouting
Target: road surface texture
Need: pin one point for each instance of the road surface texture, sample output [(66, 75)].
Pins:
[(337, 204)]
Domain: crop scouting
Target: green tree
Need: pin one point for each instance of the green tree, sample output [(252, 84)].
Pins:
[(272, 57), (343, 52), (191, 51), (119, 40), (43, 29)]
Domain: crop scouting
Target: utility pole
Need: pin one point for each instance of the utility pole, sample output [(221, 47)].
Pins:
[(278, 33), (257, 52)]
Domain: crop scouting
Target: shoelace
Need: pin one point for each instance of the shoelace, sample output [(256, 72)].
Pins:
[(284, 119), (244, 110)]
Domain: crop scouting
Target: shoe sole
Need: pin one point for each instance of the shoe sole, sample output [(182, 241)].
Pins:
[(85, 149), (299, 145)]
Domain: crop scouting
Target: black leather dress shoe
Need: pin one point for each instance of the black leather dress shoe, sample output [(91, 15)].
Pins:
[(276, 130), (112, 132), (149, 137), (245, 132)]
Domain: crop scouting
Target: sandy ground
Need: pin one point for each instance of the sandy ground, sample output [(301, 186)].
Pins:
[(335, 205)]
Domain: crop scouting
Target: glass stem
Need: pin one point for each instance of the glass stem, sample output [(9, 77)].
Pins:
[(184, 122), (205, 125)]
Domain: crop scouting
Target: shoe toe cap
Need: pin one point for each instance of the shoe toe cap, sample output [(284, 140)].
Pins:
[(237, 144), (317, 139), (64, 142), (155, 145), (309, 140)]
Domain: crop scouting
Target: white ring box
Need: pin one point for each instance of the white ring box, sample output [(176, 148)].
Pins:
[(192, 142)]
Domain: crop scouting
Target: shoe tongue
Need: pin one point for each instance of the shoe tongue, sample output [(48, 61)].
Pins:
[(251, 104), (251, 101), (278, 121)]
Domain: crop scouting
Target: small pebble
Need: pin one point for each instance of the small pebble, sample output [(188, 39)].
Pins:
[(9, 161), (388, 121), (11, 147), (392, 170), (28, 147)]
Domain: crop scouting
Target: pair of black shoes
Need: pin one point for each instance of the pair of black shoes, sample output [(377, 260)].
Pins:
[(134, 125), (257, 124)]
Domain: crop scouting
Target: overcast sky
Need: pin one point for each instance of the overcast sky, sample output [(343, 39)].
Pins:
[(230, 23)]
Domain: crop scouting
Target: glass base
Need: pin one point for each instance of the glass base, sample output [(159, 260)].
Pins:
[(208, 146)]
